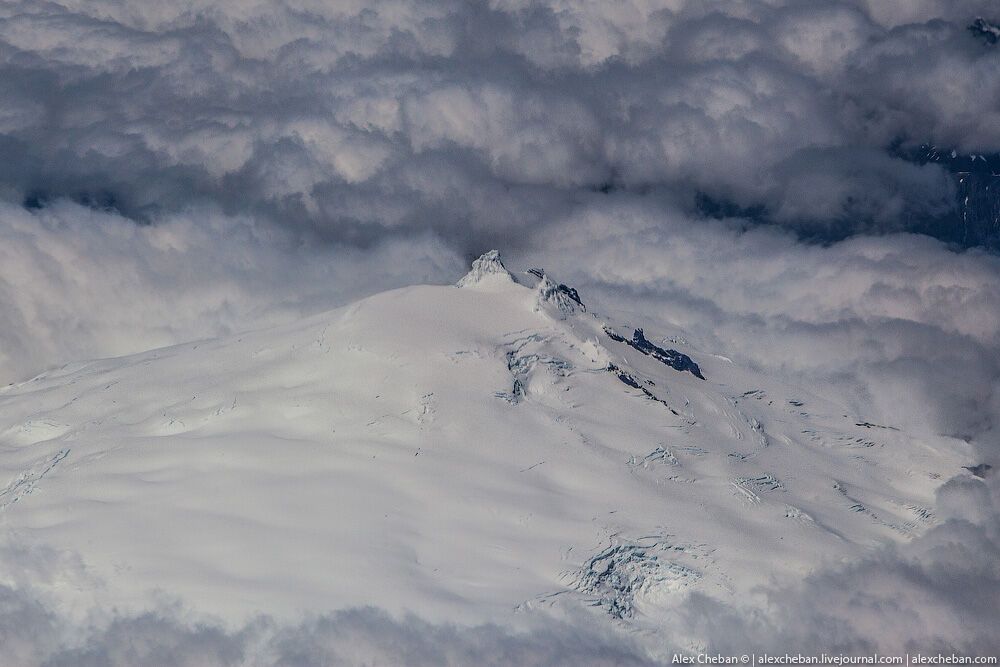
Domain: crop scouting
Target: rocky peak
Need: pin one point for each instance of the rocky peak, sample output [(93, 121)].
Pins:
[(488, 269), (565, 299)]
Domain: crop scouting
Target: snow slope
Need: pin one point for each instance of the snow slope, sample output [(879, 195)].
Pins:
[(467, 453)]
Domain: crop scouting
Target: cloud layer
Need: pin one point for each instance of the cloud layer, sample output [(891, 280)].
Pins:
[(35, 636), (476, 119)]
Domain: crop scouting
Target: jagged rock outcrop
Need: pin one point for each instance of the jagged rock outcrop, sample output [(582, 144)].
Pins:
[(676, 360), (564, 300)]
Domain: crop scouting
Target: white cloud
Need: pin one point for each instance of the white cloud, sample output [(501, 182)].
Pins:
[(272, 109)]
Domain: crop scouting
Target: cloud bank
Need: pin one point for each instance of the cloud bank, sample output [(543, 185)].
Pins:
[(34, 636)]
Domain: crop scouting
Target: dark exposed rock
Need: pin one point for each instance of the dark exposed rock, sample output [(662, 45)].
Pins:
[(633, 382), (624, 377), (572, 294), (676, 360), (613, 335), (871, 425)]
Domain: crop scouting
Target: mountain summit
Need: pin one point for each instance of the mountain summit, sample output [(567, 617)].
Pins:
[(487, 271)]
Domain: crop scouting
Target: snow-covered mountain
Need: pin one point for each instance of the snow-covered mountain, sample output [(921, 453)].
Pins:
[(465, 452)]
